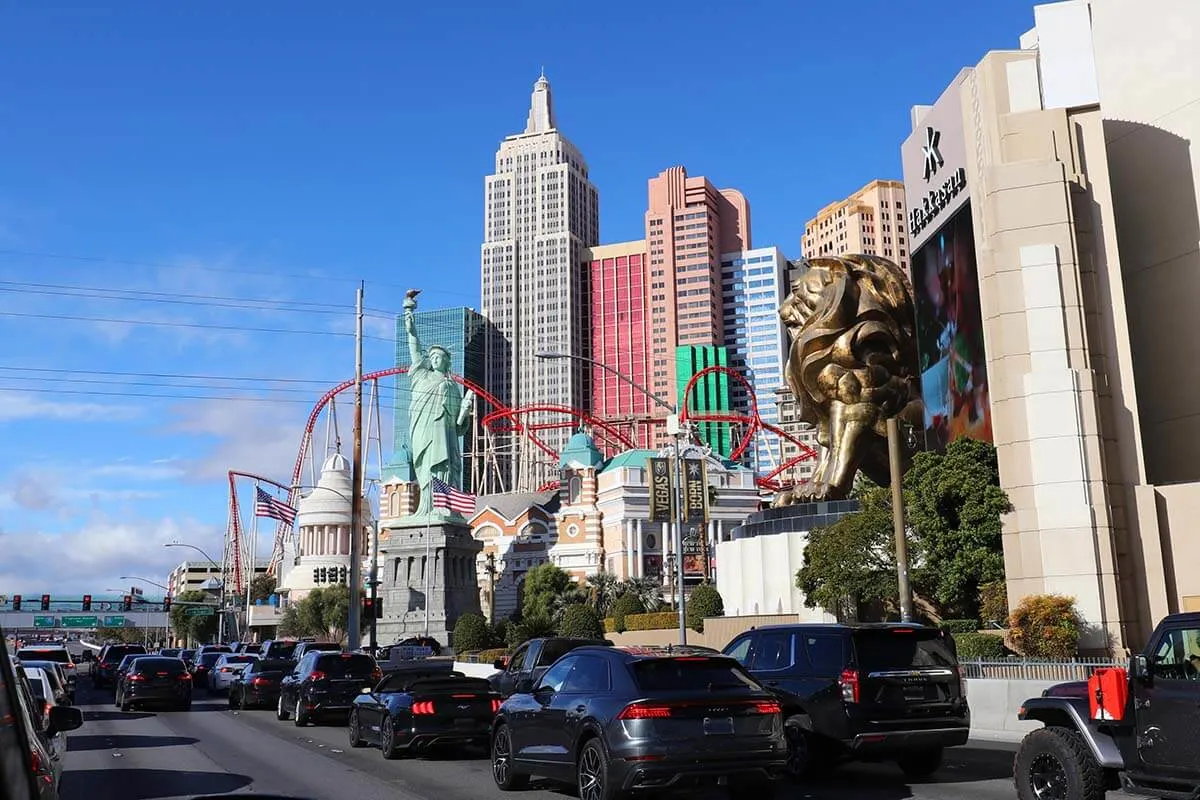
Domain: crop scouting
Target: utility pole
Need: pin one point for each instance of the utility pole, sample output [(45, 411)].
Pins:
[(680, 517), (894, 445), (356, 478)]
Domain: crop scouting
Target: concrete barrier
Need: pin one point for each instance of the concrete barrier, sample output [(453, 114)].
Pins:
[(994, 705)]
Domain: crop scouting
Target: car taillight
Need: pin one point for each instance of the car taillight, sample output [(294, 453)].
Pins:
[(496, 703), (645, 711), (766, 707), (260, 682), (849, 684), (317, 675), (377, 674), (136, 678), (183, 676), (422, 707), (225, 669)]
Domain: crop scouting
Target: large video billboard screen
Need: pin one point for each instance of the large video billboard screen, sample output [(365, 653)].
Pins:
[(954, 381)]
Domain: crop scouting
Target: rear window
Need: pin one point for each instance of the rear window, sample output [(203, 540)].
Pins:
[(48, 654), (902, 648), (171, 665), (239, 659), (119, 652), (281, 649), (690, 674), (208, 659), (271, 666), (186, 654), (354, 664)]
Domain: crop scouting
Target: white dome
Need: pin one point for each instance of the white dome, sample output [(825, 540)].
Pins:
[(336, 463), (329, 502)]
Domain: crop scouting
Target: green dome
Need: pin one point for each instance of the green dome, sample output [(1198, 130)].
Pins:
[(581, 451)]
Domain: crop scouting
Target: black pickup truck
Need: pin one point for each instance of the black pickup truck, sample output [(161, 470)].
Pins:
[(532, 658), (1135, 729)]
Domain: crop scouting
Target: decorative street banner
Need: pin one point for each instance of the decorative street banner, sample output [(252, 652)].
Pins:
[(695, 491), (662, 507)]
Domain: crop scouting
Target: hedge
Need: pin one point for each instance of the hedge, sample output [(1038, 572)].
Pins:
[(960, 625), (610, 625), (655, 621), (979, 645), (489, 656)]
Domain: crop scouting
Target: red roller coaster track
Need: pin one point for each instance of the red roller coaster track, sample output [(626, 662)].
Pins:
[(503, 419)]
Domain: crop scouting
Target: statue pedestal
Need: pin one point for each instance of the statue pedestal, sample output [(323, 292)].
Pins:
[(799, 518), (428, 571)]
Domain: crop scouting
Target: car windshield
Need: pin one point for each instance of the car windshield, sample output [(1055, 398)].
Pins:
[(690, 674), (901, 648), (354, 665)]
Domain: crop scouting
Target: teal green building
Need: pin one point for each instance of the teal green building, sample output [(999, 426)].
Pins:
[(710, 395)]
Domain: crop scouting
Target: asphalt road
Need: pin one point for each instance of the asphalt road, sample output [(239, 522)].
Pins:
[(212, 750)]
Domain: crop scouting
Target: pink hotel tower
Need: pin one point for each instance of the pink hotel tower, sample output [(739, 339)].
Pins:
[(650, 296)]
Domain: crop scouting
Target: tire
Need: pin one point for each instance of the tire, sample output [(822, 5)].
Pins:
[(1057, 754), (301, 716), (799, 763), (232, 704), (920, 764), (354, 729), (243, 703), (591, 773), (126, 706), (281, 713), (504, 771), (387, 739)]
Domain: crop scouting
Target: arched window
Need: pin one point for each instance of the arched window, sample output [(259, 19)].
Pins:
[(574, 490)]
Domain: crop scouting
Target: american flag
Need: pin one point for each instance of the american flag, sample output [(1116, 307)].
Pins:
[(446, 496), (267, 506)]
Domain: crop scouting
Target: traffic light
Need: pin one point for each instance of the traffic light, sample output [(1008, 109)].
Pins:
[(45, 602), (316, 574), (372, 608), (127, 603), (345, 575), (167, 603), (87, 602), (16, 602)]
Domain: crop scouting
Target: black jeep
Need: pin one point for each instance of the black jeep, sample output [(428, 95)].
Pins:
[(1141, 733)]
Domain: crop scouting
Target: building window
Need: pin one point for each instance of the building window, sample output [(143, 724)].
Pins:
[(574, 490)]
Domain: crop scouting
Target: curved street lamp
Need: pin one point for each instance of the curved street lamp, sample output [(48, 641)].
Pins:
[(221, 597)]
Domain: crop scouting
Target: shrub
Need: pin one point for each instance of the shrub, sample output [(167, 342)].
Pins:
[(960, 625), (1046, 626), (979, 645), (655, 621), (489, 656), (993, 602), (610, 625), (532, 626), (470, 633), (625, 605), (704, 601), (498, 632), (580, 619)]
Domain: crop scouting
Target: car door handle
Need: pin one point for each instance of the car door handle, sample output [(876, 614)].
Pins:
[(579, 709)]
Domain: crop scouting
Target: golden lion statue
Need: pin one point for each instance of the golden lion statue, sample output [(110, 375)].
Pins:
[(852, 364)]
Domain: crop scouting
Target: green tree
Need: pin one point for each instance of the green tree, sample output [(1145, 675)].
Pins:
[(580, 619), (704, 601), (603, 589), (531, 626), (470, 633), (323, 613), (195, 630), (628, 603), (548, 591), (1046, 626), (123, 635), (261, 587), (647, 590), (852, 561), (954, 503)]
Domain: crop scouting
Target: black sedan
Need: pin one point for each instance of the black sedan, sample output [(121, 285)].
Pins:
[(614, 719), (154, 679), (257, 686), (416, 709)]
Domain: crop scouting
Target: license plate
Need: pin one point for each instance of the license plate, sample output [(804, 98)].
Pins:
[(914, 692), (718, 726), (464, 723)]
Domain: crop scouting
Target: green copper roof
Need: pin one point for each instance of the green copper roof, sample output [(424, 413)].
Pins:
[(581, 449), (630, 458), (400, 467)]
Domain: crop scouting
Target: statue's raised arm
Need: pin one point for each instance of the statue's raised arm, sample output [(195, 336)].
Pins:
[(417, 356)]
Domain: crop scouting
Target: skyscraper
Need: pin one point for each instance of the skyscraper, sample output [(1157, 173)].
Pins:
[(689, 224), (869, 221), (541, 213), (752, 289)]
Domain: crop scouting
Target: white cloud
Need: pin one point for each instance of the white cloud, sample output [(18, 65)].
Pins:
[(94, 556), (257, 437), (16, 405), (162, 469)]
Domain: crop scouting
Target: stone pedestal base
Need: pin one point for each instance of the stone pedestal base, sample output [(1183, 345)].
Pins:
[(428, 572)]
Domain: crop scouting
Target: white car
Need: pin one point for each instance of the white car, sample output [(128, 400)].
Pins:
[(51, 652), (227, 669), (43, 692)]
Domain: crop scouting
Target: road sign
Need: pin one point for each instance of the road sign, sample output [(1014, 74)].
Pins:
[(114, 622), (199, 611), (45, 622), (76, 621)]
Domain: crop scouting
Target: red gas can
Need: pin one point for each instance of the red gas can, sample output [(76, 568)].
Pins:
[(1108, 693)]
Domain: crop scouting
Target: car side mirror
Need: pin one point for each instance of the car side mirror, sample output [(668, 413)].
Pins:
[(64, 718), (543, 694), (1140, 668), (500, 664), (524, 686)]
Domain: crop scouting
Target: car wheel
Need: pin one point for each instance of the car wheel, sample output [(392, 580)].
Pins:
[(126, 705), (591, 771), (920, 764), (504, 771), (387, 739), (1054, 763), (232, 701), (301, 716), (281, 712), (354, 729), (243, 703), (799, 758)]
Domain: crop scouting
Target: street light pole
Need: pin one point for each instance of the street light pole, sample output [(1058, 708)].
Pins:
[(220, 596), (356, 478), (894, 445), (166, 589)]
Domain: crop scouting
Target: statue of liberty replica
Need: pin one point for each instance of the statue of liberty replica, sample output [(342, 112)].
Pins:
[(439, 415), (428, 559)]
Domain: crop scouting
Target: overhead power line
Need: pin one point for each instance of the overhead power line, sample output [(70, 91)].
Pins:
[(178, 324)]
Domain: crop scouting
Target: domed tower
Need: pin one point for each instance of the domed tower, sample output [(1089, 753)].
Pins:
[(579, 549), (324, 524)]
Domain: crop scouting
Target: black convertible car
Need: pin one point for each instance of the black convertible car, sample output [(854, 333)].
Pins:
[(423, 706)]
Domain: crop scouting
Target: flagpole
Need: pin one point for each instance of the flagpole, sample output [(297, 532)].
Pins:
[(250, 571), (354, 617)]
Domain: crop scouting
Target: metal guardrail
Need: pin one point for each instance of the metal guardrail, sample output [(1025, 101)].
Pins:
[(1033, 669)]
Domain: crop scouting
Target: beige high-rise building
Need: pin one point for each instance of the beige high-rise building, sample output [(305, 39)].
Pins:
[(1052, 194), (541, 213), (869, 221)]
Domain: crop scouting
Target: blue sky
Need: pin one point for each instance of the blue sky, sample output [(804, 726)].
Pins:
[(211, 175)]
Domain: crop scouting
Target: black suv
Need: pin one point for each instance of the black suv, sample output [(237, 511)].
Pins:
[(105, 667), (861, 692)]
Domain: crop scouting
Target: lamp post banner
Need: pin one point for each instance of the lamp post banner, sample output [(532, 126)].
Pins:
[(662, 505), (695, 491)]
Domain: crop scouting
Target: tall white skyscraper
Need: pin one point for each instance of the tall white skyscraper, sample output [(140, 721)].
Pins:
[(541, 213)]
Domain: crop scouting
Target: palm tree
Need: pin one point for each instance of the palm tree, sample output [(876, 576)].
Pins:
[(604, 589), (647, 590)]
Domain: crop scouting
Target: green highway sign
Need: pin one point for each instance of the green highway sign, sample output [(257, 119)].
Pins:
[(78, 621), (45, 622), (114, 622), (199, 611)]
